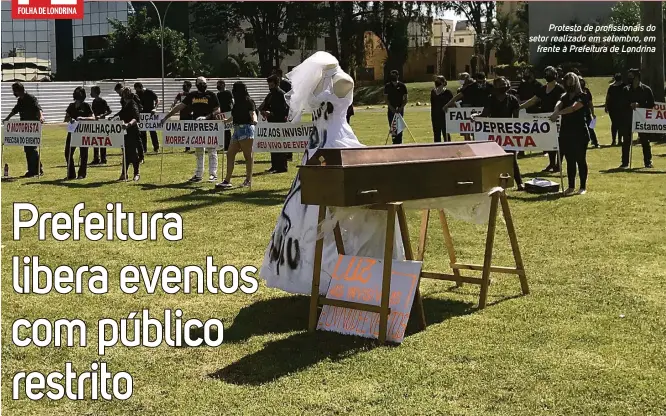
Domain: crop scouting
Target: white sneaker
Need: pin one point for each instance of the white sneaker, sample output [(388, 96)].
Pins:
[(569, 191), (212, 178), (582, 191)]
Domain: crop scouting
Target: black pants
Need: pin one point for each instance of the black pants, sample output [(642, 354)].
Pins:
[(69, 159), (227, 139), (617, 132), (439, 131), (574, 149), (132, 146), (32, 160), (516, 168), (593, 137), (552, 159), (97, 152), (153, 138), (626, 146), (279, 162), (397, 139)]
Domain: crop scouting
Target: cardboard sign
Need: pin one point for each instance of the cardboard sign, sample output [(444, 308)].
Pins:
[(102, 133), (150, 121), (359, 279), (518, 134), (193, 133), (458, 120), (523, 114), (228, 125), (282, 137), (660, 106), (649, 120), (22, 133)]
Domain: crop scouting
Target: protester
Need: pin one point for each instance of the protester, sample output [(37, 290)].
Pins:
[(529, 87), (226, 101), (28, 109), (636, 95), (395, 93), (285, 85), (439, 96), (101, 110), (244, 118), (149, 103), (469, 94), (204, 106), (129, 114), (186, 113), (77, 111), (119, 90), (613, 107), (502, 105), (546, 98), (574, 131), (589, 111), (274, 110), (485, 89)]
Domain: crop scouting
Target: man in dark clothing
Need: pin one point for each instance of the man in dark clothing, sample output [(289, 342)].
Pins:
[(395, 93), (28, 108), (274, 110), (186, 113), (485, 90), (589, 113), (226, 101), (636, 95), (528, 88), (285, 85), (149, 102), (100, 109), (613, 107), (119, 89)]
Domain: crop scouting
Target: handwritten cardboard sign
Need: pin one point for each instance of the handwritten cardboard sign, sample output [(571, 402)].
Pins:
[(21, 133), (459, 120), (150, 121), (282, 137), (102, 133), (359, 279), (193, 133)]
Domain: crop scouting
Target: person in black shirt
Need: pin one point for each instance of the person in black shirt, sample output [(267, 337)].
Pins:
[(589, 113), (149, 102), (636, 95), (244, 117), (285, 85), (129, 114), (76, 111), (274, 109), (546, 98), (100, 109), (185, 114), (395, 93), (119, 90), (468, 94), (529, 87), (439, 96), (226, 104), (485, 90), (613, 107), (574, 131), (204, 106), (502, 105), (28, 108)]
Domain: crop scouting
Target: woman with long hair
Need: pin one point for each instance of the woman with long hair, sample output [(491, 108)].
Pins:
[(439, 97), (574, 132), (130, 116), (244, 118), (77, 111)]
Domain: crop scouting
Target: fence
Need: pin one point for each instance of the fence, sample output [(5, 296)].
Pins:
[(54, 97)]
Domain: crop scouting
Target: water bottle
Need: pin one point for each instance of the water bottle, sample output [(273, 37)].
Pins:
[(6, 171)]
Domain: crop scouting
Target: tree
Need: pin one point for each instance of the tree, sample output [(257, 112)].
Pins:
[(239, 66), (480, 14), (346, 32), (504, 39)]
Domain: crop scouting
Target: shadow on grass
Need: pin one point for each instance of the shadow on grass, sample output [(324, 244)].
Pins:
[(527, 197), (302, 350), (202, 198), (642, 170), (73, 183)]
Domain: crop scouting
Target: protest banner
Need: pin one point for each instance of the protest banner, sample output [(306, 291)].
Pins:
[(523, 114), (458, 120), (97, 134), (281, 137), (193, 133), (150, 121), (517, 134), (228, 125), (22, 133), (650, 120), (359, 279)]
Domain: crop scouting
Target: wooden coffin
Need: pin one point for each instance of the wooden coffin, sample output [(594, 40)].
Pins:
[(346, 177)]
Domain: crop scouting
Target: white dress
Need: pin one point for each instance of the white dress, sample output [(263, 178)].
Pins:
[(289, 258)]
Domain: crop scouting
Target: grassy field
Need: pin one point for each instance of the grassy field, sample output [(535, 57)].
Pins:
[(588, 340)]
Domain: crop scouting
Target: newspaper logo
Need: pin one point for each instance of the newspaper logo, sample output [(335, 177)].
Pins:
[(47, 9)]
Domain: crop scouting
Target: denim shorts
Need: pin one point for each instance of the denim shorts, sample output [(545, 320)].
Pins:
[(243, 131)]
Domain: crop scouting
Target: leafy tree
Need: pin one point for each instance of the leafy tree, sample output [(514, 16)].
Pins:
[(504, 38), (480, 14), (239, 66)]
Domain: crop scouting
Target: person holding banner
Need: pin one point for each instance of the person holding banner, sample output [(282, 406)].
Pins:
[(186, 113), (130, 115), (613, 107), (244, 117), (502, 105), (28, 109), (274, 110), (395, 93), (636, 95), (469, 95), (100, 109), (226, 101), (547, 96), (119, 90), (574, 131), (77, 111), (529, 88), (149, 102), (439, 96)]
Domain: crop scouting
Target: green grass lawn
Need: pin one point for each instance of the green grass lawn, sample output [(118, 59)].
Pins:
[(588, 340)]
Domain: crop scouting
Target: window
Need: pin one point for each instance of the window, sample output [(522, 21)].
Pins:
[(292, 42), (249, 41), (93, 45), (430, 69), (330, 43)]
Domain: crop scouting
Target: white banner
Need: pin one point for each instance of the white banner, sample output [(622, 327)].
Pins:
[(282, 137), (458, 120), (150, 121), (228, 125), (193, 133), (650, 120), (102, 133), (517, 134), (22, 133), (523, 115)]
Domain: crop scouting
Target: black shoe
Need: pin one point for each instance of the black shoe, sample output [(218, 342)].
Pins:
[(623, 166), (157, 150), (280, 171), (80, 177), (195, 179), (104, 162), (548, 168), (649, 165), (613, 143), (95, 162), (271, 170), (556, 169)]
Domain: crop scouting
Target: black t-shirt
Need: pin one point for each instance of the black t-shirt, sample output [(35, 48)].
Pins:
[(548, 100), (129, 112), (528, 89), (575, 122), (641, 95), (226, 100), (186, 113), (27, 107), (395, 93), (79, 109), (285, 85), (505, 108), (241, 111), (276, 105), (201, 103), (469, 93), (136, 100), (100, 106), (147, 99), (438, 101), (614, 97), (484, 90)]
